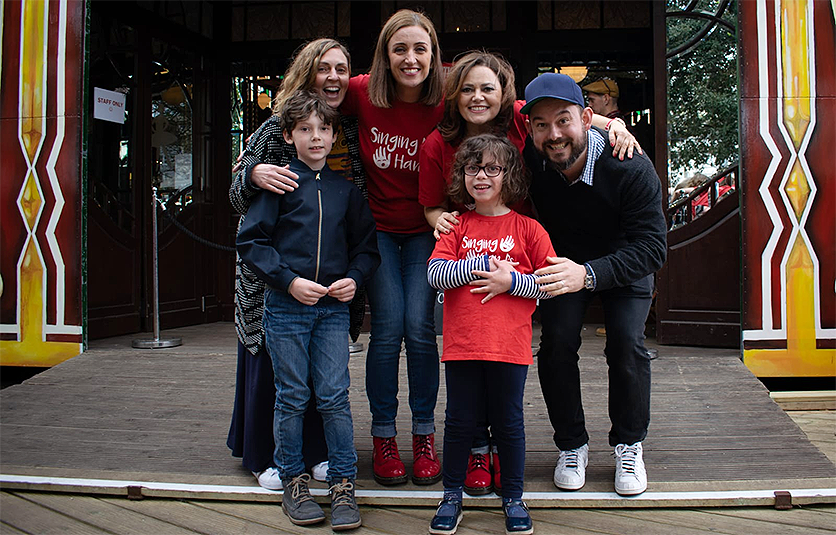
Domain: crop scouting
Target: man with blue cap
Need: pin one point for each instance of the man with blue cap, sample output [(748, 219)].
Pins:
[(605, 219)]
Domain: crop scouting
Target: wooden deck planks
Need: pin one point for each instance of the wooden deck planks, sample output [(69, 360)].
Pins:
[(104, 515), (799, 517), (116, 410), (31, 517), (732, 522), (819, 427), (26, 512), (198, 518)]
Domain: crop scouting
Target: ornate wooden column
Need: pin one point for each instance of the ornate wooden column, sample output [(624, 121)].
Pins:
[(787, 108)]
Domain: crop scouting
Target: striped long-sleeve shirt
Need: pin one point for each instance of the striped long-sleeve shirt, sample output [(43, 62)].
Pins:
[(446, 274)]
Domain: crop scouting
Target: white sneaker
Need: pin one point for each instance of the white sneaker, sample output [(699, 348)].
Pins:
[(630, 475), (320, 471), (570, 472), (269, 478)]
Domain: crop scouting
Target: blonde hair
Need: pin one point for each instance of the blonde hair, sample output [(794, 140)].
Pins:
[(381, 84), (472, 151), (302, 71), (452, 126)]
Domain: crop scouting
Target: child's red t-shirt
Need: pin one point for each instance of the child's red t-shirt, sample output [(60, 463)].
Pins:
[(499, 330)]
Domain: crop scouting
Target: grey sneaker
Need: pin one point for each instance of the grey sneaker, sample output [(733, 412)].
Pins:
[(344, 511), (297, 502)]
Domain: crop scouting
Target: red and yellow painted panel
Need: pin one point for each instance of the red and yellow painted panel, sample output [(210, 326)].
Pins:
[(788, 133), (41, 105)]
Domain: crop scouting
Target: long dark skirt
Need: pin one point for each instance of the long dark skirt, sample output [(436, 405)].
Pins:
[(251, 430)]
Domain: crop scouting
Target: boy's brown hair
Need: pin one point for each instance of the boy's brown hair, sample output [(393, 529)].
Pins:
[(471, 151), (301, 105)]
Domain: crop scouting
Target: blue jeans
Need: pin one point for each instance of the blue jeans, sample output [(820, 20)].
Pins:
[(251, 429), (309, 345), (402, 304), (625, 313)]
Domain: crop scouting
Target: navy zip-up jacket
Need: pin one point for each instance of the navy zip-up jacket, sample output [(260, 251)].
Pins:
[(322, 231)]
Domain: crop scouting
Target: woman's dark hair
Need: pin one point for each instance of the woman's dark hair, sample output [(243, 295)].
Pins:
[(452, 127), (472, 151)]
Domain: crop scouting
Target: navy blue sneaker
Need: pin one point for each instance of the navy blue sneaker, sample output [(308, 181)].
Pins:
[(517, 519), (447, 516)]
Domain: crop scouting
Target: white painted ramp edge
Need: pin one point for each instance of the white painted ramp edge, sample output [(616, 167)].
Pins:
[(152, 489)]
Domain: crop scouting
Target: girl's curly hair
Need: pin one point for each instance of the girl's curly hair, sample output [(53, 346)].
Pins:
[(475, 150)]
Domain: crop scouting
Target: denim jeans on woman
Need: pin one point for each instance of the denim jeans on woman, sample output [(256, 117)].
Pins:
[(309, 345), (402, 304)]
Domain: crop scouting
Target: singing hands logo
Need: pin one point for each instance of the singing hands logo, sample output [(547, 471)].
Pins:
[(506, 243), (382, 158)]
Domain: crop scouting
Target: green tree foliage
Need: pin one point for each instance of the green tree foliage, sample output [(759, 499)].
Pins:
[(702, 92)]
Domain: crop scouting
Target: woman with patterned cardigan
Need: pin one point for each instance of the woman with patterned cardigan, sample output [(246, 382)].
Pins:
[(323, 66)]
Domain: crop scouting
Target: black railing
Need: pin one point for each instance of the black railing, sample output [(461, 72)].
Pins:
[(684, 209), (175, 201)]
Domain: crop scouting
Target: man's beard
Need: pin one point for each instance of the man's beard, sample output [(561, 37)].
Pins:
[(578, 147)]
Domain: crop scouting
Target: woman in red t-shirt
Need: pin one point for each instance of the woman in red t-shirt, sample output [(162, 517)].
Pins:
[(480, 98), (397, 105)]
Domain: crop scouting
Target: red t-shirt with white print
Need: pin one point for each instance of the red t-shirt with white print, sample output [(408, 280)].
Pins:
[(390, 143), (499, 330)]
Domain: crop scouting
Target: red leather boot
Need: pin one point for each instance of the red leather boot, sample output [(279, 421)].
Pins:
[(426, 469), (478, 478), (387, 465)]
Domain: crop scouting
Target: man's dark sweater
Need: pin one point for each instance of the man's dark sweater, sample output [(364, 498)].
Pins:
[(616, 225)]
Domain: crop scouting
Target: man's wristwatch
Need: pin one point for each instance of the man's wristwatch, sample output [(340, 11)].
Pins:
[(589, 279)]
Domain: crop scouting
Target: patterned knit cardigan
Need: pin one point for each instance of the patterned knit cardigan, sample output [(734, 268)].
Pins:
[(268, 146)]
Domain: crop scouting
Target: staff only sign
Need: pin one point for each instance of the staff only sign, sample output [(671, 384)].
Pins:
[(108, 105)]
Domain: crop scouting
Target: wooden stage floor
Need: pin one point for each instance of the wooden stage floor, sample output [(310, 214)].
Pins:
[(116, 417)]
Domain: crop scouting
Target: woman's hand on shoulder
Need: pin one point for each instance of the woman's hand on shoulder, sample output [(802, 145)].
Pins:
[(623, 141), (445, 223), (274, 178)]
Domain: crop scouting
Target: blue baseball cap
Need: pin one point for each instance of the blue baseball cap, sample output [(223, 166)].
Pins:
[(552, 85)]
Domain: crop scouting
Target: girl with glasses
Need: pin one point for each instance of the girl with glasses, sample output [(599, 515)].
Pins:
[(485, 265)]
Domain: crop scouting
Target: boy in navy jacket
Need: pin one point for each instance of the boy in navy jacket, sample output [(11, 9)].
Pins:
[(313, 247)]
